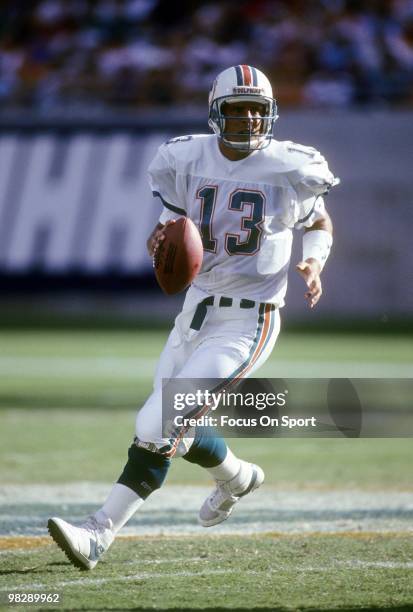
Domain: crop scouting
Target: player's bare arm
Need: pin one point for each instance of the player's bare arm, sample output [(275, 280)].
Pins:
[(310, 268)]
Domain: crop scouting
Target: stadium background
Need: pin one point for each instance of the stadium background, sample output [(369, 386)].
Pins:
[(87, 92), (89, 89)]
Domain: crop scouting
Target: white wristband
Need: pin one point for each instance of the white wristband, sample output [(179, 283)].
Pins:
[(317, 244)]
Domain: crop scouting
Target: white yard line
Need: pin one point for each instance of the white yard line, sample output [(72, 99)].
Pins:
[(131, 577), (357, 565)]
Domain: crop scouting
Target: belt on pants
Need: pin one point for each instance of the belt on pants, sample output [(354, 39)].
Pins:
[(224, 302)]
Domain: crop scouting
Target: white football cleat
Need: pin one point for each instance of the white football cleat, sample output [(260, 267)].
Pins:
[(83, 545), (219, 505)]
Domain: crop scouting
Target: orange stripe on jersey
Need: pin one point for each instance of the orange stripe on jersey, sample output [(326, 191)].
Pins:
[(246, 73)]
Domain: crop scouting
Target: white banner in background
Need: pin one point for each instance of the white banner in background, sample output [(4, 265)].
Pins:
[(76, 202), (80, 202)]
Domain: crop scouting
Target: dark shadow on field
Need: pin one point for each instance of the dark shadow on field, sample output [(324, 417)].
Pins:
[(41, 568), (74, 401), (26, 570), (160, 518), (406, 608), (262, 516)]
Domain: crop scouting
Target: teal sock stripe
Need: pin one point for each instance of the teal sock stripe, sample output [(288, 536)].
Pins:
[(207, 450)]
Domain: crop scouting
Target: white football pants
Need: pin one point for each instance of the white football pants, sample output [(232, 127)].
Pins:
[(222, 338)]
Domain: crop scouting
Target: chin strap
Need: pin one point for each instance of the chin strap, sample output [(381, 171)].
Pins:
[(262, 143)]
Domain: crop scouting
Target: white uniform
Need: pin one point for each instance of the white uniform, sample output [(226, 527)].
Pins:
[(254, 202), (245, 211)]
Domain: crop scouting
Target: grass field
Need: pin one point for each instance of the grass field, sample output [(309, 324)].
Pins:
[(331, 528)]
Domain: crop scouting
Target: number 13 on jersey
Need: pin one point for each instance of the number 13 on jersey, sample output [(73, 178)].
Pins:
[(235, 244)]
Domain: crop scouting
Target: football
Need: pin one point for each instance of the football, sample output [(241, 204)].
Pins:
[(178, 257)]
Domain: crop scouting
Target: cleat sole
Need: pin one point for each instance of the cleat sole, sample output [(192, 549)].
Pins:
[(62, 543)]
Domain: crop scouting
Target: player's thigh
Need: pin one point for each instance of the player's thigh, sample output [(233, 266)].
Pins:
[(213, 359), (235, 348), (148, 425), (172, 358)]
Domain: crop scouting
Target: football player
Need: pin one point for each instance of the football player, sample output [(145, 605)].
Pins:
[(246, 192)]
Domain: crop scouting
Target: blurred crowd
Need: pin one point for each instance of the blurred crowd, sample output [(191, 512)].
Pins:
[(87, 54)]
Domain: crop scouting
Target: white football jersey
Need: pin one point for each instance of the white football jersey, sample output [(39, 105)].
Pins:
[(245, 210)]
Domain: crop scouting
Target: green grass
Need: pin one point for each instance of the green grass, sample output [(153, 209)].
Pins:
[(67, 409), (77, 368), (114, 369), (112, 343), (54, 385), (287, 572), (66, 445)]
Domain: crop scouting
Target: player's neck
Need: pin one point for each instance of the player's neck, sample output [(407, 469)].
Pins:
[(232, 154)]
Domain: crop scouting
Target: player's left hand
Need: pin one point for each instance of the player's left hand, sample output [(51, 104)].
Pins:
[(310, 270)]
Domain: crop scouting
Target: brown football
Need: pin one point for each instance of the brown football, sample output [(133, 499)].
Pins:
[(178, 258)]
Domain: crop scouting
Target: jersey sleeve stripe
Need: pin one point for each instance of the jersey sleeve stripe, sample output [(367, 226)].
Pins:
[(307, 216), (175, 209)]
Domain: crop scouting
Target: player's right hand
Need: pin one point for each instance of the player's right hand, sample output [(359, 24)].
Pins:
[(157, 237), (310, 270)]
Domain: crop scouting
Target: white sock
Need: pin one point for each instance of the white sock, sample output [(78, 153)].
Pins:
[(226, 470), (120, 506)]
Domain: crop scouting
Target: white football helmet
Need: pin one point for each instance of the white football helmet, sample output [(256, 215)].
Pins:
[(251, 85)]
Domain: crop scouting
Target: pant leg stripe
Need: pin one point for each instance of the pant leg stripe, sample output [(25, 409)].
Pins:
[(272, 321), (260, 344), (264, 330)]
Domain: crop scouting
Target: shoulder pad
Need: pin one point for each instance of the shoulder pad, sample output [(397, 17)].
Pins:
[(296, 155), (178, 139), (189, 138), (183, 150), (309, 168)]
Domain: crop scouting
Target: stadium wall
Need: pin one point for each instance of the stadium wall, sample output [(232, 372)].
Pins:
[(74, 201)]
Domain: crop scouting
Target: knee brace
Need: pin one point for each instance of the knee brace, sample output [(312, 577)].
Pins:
[(145, 470)]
